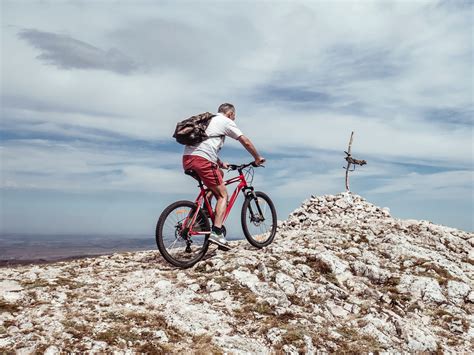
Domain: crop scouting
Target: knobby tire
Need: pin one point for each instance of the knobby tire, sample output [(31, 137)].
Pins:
[(204, 226), (246, 223)]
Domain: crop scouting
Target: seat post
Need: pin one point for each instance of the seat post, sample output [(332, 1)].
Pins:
[(194, 175), (200, 184)]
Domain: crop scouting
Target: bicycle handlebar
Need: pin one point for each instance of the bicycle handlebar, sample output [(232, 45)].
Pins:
[(243, 166)]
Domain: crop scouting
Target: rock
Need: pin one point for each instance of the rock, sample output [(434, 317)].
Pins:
[(336, 311), (52, 350), (212, 286), (28, 326), (194, 287), (372, 272), (246, 278), (10, 290), (99, 346), (340, 274), (418, 340), (261, 267), (342, 204), (332, 262), (425, 288), (219, 295), (161, 336), (470, 297), (274, 335), (285, 282), (458, 290)]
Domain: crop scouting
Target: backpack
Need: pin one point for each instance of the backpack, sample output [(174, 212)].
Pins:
[(192, 131)]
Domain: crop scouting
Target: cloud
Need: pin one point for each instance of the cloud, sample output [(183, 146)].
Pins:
[(82, 167), (302, 74), (68, 53), (446, 184)]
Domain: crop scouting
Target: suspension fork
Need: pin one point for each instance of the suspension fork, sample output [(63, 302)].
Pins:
[(250, 193)]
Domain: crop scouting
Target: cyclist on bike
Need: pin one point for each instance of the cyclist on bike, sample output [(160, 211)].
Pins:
[(203, 159)]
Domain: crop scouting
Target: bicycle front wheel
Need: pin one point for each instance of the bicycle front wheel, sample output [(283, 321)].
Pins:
[(259, 219), (172, 234)]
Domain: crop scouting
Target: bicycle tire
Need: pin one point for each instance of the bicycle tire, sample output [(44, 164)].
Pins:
[(246, 216), (198, 251)]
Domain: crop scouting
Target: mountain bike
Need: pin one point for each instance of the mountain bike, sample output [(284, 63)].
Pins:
[(182, 231)]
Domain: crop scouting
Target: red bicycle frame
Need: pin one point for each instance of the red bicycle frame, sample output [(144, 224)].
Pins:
[(203, 196)]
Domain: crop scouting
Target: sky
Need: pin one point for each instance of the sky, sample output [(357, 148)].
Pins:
[(91, 93)]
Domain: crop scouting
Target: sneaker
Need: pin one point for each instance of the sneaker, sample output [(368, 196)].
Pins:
[(219, 240)]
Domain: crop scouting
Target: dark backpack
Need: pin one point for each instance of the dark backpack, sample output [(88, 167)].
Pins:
[(192, 131)]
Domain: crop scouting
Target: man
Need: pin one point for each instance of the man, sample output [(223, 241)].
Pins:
[(203, 158)]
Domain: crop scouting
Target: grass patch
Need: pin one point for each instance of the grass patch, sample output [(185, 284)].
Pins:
[(317, 265), (351, 339), (154, 348), (467, 260), (224, 281), (249, 301), (393, 281), (116, 317), (8, 307), (35, 283), (9, 323), (113, 334), (203, 345), (154, 321), (66, 282), (200, 267), (78, 330)]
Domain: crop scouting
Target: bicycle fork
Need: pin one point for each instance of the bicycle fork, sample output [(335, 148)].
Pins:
[(251, 194)]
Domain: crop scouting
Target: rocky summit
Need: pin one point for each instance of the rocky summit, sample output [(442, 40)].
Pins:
[(341, 275)]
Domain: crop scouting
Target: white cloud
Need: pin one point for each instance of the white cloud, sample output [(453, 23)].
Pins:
[(39, 164), (303, 75), (443, 185)]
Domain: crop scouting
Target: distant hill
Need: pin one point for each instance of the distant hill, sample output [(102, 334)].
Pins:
[(341, 275)]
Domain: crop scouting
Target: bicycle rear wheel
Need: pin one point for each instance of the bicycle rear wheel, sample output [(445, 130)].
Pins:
[(172, 239), (259, 219)]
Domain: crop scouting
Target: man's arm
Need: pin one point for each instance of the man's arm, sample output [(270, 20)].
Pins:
[(251, 149)]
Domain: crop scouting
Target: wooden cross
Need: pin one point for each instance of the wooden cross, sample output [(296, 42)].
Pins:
[(350, 160)]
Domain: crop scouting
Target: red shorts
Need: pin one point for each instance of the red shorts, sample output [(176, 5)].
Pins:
[(208, 171)]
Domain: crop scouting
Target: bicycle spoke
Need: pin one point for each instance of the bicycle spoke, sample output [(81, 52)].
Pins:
[(177, 248), (172, 245)]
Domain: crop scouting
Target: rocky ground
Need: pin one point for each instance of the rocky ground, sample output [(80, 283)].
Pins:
[(341, 275)]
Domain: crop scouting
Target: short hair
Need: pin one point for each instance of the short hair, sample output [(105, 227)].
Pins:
[(224, 108)]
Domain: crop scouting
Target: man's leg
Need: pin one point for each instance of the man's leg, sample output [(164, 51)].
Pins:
[(217, 235), (220, 192), (211, 193)]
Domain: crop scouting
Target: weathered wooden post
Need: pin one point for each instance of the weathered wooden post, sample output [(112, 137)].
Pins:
[(350, 160)]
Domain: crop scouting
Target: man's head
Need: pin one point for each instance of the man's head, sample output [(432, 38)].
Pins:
[(227, 110)]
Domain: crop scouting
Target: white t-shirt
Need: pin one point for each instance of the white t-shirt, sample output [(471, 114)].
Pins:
[(220, 125)]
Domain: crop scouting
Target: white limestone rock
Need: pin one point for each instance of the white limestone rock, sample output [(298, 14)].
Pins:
[(337, 260), (10, 290), (286, 283), (425, 288), (419, 340), (336, 265), (458, 290)]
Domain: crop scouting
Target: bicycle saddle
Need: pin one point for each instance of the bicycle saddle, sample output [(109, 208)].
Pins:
[(193, 174)]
